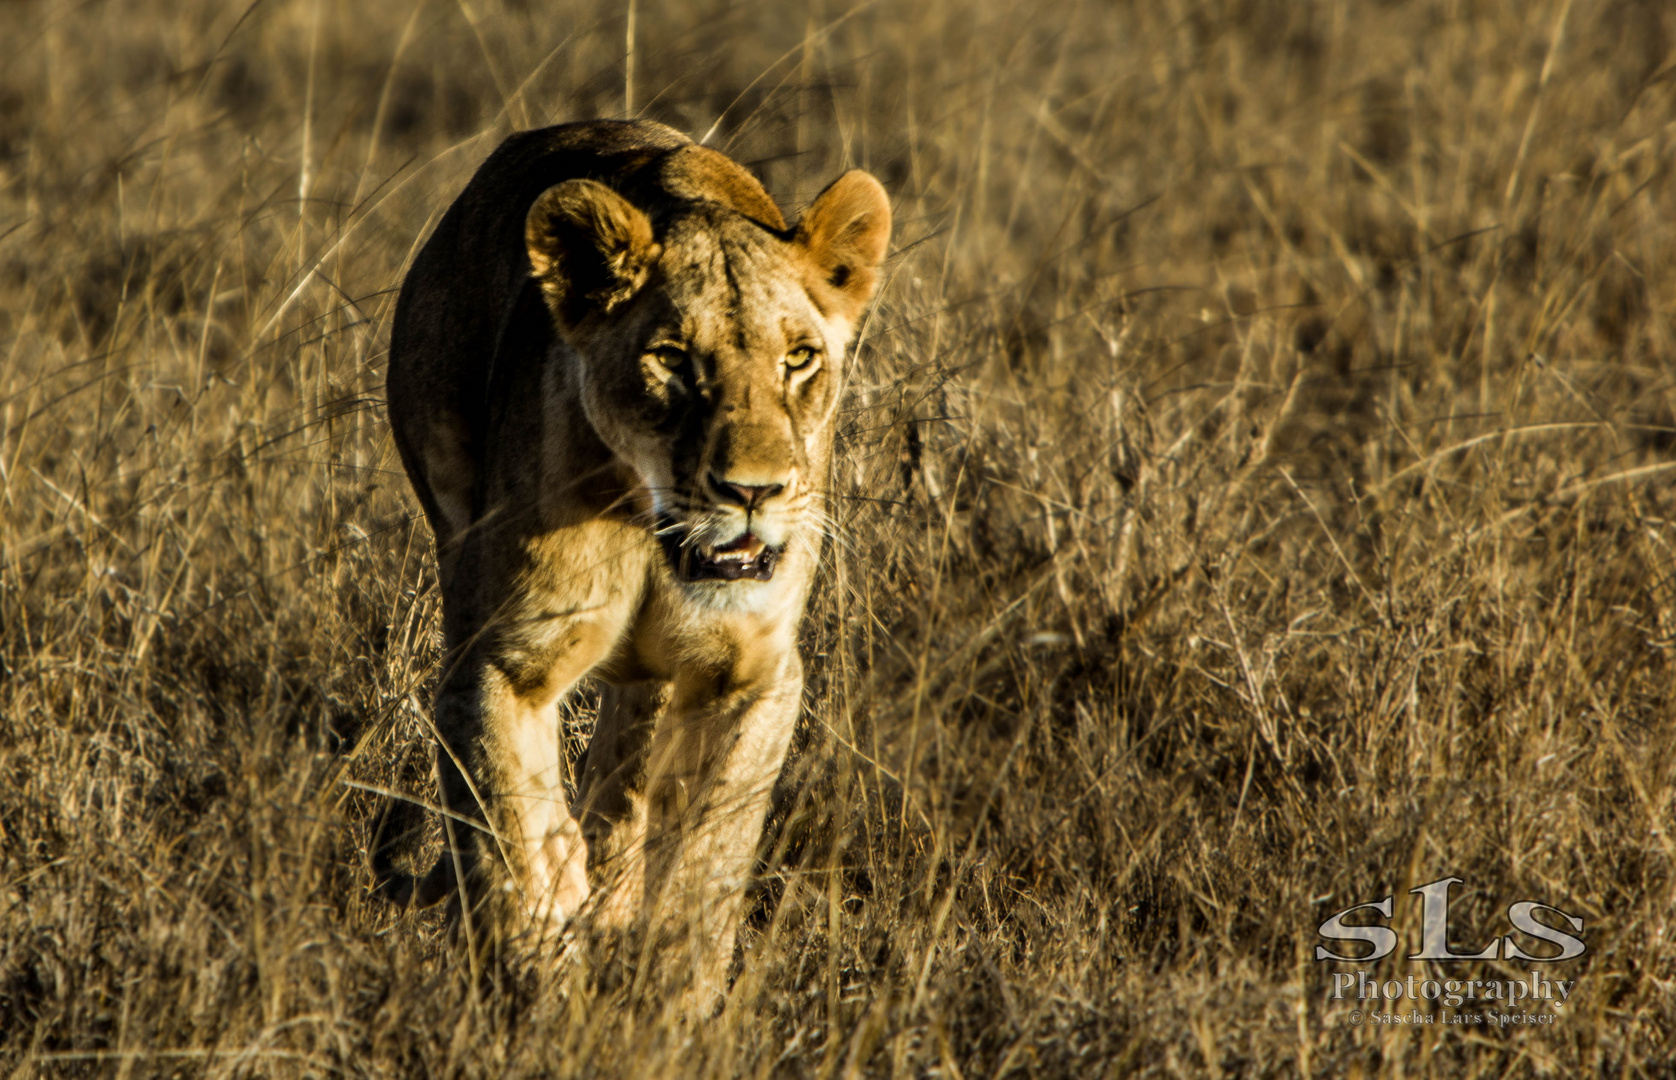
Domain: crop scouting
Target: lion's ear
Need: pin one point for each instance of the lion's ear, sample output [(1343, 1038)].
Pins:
[(846, 233), (589, 248)]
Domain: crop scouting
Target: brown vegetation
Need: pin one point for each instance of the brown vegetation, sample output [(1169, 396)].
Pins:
[(1257, 499)]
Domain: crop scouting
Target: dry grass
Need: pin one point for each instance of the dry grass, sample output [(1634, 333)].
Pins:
[(1257, 499)]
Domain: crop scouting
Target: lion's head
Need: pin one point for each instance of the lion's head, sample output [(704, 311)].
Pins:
[(711, 341)]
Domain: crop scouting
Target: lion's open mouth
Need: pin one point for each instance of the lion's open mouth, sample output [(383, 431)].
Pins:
[(745, 558)]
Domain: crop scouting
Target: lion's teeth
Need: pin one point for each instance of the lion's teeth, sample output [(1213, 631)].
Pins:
[(742, 549)]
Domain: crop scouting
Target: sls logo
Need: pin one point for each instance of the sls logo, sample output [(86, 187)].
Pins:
[(1434, 931)]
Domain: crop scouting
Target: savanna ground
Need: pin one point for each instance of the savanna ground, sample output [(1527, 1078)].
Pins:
[(1255, 499)]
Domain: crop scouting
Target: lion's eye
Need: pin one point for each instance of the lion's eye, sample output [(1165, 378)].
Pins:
[(801, 357), (672, 358)]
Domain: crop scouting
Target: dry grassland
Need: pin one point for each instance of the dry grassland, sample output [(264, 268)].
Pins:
[(1257, 498)]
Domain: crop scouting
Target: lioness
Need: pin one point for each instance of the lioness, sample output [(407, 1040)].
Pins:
[(612, 377)]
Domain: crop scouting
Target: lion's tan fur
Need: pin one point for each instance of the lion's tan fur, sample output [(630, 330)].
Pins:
[(613, 338)]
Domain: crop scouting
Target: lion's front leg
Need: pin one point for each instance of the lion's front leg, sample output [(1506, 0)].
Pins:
[(501, 761), (712, 767), (502, 771), (611, 798)]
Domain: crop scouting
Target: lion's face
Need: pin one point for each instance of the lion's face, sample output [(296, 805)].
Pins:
[(711, 359), (718, 386)]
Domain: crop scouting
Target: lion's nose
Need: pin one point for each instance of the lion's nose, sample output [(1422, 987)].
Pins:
[(750, 496)]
